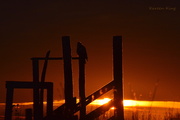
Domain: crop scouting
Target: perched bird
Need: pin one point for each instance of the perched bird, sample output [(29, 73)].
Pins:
[(81, 51)]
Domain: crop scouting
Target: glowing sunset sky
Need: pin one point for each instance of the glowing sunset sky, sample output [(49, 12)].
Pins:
[(151, 43)]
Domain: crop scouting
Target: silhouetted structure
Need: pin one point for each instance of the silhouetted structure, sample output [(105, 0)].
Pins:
[(81, 51), (67, 111), (11, 85)]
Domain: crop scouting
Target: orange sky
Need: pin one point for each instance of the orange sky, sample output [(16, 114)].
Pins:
[(150, 44)]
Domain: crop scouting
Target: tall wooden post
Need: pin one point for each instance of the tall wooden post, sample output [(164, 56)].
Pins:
[(50, 99), (43, 75), (118, 81), (36, 105), (28, 114), (9, 101), (67, 76), (81, 51)]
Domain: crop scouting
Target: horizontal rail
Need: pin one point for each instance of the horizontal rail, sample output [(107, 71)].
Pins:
[(51, 58), (24, 85)]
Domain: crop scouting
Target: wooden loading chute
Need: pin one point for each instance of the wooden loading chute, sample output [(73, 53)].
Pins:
[(67, 111), (116, 85)]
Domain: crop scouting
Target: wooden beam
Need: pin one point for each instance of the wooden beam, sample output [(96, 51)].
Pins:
[(27, 85), (99, 111), (28, 114), (81, 51), (43, 75), (36, 109), (68, 84), (49, 100), (9, 101), (51, 58), (67, 68), (118, 81)]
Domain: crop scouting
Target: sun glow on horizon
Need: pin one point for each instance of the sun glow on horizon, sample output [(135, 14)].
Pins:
[(126, 103)]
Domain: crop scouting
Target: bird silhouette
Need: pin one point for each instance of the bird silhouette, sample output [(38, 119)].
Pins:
[(81, 51)]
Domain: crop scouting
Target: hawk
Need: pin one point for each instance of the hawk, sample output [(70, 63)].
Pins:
[(81, 51)]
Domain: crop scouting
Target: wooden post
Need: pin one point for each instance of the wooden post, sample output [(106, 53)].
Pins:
[(36, 112), (118, 81), (50, 99), (81, 51), (67, 76), (9, 101), (28, 113), (42, 83)]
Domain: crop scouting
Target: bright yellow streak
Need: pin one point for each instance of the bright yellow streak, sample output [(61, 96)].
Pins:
[(127, 103), (165, 104), (24, 103), (136, 103)]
